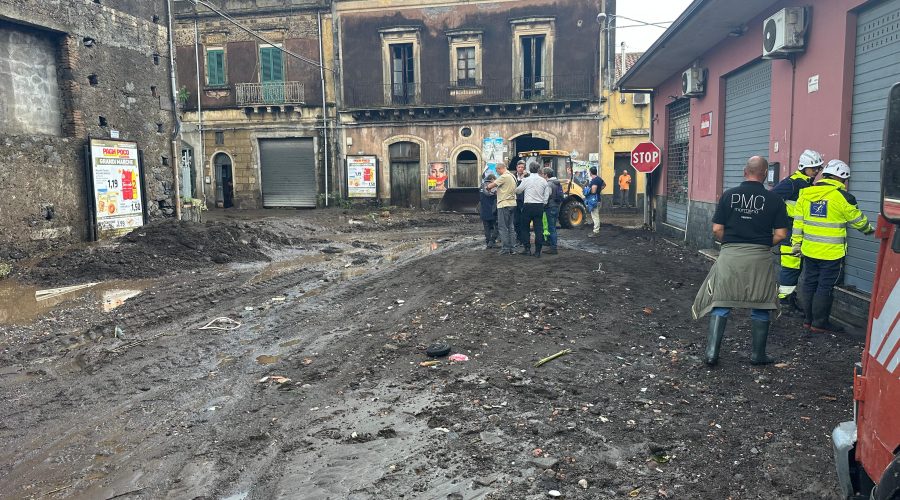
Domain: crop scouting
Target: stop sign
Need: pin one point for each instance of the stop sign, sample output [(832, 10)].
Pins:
[(645, 157)]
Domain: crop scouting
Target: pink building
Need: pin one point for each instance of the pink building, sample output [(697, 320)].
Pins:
[(737, 78)]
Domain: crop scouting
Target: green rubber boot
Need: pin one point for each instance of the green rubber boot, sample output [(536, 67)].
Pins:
[(714, 339), (759, 331)]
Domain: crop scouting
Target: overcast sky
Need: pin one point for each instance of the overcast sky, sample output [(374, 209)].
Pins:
[(639, 39)]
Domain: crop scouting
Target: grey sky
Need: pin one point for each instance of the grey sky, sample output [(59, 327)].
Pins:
[(639, 39)]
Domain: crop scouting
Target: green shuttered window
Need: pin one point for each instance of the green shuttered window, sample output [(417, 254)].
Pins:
[(271, 65), (215, 67)]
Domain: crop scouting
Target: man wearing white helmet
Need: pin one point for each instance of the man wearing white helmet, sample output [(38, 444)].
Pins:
[(789, 189), (823, 212)]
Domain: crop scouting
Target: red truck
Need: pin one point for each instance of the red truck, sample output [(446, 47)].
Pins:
[(867, 449)]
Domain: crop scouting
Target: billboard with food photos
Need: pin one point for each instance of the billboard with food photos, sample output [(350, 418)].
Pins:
[(116, 185)]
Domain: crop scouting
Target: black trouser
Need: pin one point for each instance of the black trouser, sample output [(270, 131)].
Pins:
[(534, 215), (490, 231), (820, 276), (521, 225)]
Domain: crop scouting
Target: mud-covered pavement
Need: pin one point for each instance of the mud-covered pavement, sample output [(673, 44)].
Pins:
[(320, 392)]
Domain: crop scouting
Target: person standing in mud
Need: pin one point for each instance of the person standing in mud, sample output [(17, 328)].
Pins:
[(505, 184), (535, 190), (749, 220), (521, 232), (488, 212), (551, 210)]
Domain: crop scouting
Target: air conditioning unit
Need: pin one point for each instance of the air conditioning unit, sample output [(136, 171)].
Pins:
[(784, 33), (640, 99), (692, 82)]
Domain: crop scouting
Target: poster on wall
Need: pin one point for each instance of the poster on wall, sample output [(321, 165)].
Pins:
[(580, 172), (116, 185), (438, 177), (361, 180)]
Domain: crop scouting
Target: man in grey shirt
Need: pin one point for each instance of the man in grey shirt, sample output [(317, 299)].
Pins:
[(537, 193)]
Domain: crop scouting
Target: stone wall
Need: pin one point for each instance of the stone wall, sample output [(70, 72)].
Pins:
[(101, 67)]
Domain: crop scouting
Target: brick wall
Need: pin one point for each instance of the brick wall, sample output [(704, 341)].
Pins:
[(111, 61)]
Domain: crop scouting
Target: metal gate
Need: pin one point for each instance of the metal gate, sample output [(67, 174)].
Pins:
[(877, 43), (288, 169), (677, 149), (748, 97)]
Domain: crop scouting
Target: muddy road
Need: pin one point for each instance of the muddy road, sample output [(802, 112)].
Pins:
[(313, 386)]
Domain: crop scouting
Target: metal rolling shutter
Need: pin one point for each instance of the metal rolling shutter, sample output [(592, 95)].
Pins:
[(677, 159), (288, 169), (877, 53), (748, 97)]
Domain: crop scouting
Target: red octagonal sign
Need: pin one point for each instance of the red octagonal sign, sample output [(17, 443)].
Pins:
[(645, 157)]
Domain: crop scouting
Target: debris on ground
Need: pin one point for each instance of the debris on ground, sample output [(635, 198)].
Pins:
[(221, 323), (552, 357)]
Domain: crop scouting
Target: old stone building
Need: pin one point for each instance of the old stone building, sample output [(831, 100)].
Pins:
[(435, 90), (256, 136), (70, 70)]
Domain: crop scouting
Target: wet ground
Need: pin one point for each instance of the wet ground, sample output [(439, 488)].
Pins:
[(294, 368)]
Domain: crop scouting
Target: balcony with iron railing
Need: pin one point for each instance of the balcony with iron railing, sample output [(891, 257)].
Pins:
[(486, 91), (269, 93)]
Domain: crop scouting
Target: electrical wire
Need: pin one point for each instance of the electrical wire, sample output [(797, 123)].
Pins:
[(256, 35)]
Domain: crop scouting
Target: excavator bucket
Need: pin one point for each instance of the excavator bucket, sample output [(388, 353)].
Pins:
[(463, 200)]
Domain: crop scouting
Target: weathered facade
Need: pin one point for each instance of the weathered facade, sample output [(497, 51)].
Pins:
[(70, 70), (257, 132), (424, 84), (626, 123), (829, 95)]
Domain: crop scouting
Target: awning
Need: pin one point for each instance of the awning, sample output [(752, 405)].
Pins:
[(698, 30)]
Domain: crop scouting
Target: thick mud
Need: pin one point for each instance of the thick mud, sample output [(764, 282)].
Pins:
[(320, 392)]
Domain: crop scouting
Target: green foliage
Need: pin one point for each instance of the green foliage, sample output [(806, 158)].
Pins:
[(183, 94), (335, 199), (5, 270)]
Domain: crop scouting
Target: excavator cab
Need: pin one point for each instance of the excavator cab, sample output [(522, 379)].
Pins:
[(572, 212)]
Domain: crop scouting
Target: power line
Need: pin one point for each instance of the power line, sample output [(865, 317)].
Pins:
[(256, 35)]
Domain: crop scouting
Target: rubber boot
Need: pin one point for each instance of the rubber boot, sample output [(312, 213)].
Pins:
[(786, 305), (537, 252), (807, 311), (821, 311), (759, 332), (714, 339)]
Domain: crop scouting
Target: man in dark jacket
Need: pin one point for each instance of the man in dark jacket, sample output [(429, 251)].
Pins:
[(552, 208), (809, 166), (488, 203)]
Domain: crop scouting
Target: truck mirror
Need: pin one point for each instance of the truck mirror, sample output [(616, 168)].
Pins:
[(890, 159)]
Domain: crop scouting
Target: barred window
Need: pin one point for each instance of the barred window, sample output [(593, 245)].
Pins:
[(677, 151)]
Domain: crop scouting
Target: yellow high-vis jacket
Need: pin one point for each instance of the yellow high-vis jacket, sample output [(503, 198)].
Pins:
[(821, 216)]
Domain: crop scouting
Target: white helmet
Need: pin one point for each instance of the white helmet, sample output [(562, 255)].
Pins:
[(837, 168), (810, 159)]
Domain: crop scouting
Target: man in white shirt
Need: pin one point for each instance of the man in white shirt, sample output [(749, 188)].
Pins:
[(537, 193)]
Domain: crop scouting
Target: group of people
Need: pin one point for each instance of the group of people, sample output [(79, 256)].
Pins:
[(809, 219), (512, 203)]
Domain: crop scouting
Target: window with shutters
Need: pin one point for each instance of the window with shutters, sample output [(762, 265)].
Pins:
[(271, 64), (533, 40), (215, 67)]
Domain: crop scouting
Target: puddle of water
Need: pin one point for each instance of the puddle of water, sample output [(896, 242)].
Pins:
[(280, 267), (290, 343), (19, 305), (266, 359)]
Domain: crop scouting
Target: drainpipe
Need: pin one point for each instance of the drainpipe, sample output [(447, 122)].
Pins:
[(202, 154), (324, 102), (177, 130)]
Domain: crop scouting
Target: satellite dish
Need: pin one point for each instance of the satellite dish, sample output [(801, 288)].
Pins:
[(769, 33)]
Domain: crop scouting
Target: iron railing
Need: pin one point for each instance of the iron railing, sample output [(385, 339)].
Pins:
[(270, 93), (488, 91)]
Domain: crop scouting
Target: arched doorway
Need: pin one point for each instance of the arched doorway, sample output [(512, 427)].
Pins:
[(224, 180), (406, 184), (466, 169), (527, 142)]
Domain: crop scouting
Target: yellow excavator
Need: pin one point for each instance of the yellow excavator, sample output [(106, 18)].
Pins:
[(572, 212)]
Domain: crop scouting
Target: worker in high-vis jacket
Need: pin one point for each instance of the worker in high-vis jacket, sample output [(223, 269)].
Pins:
[(823, 212), (809, 166)]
